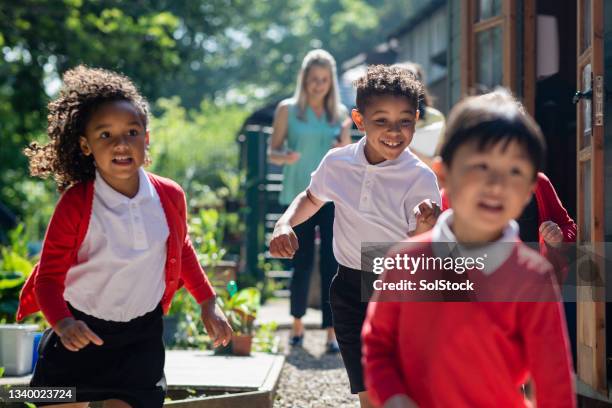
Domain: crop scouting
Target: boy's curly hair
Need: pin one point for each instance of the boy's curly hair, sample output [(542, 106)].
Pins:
[(383, 80), (84, 90)]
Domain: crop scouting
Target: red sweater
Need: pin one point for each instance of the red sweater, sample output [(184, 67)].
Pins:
[(470, 354), (44, 289)]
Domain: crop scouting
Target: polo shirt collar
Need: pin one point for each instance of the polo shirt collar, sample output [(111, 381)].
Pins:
[(113, 198), (497, 252)]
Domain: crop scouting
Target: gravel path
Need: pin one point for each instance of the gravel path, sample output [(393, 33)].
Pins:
[(311, 378)]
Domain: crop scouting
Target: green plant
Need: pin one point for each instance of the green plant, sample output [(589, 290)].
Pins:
[(267, 286), (266, 340), (197, 144), (203, 196), (189, 324), (206, 231), (232, 181), (15, 267), (32, 200), (241, 309)]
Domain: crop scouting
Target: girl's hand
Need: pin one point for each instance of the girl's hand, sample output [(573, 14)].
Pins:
[(284, 242), (551, 233), (215, 322), (75, 334), (292, 157), (426, 213), (400, 401)]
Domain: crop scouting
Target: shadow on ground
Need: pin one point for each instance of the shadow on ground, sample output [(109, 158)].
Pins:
[(302, 359)]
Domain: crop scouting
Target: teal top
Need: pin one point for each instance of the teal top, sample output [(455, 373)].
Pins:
[(312, 139)]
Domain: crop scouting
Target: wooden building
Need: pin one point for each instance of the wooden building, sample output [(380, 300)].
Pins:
[(556, 56)]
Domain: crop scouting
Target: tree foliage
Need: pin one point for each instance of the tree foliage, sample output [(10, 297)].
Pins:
[(197, 144), (219, 51)]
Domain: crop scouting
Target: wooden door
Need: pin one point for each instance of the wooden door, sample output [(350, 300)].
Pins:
[(591, 321)]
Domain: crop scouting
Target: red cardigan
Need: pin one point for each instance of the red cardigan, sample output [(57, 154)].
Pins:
[(470, 354), (44, 289)]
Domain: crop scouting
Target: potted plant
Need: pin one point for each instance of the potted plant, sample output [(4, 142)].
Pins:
[(241, 311), (16, 340)]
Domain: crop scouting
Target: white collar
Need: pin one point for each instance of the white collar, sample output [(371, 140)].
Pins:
[(113, 198), (495, 253)]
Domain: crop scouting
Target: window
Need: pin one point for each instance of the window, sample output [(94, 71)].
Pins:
[(486, 9), (489, 45)]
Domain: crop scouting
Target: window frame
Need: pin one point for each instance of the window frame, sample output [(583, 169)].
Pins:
[(470, 29)]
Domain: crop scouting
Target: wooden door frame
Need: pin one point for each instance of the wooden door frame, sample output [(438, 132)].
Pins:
[(529, 55), (591, 323)]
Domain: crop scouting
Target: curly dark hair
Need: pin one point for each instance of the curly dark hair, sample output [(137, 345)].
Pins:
[(383, 80), (83, 92)]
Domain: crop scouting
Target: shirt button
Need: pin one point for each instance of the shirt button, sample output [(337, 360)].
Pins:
[(172, 260)]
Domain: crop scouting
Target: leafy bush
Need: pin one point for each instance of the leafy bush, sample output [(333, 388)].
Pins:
[(266, 340), (15, 267), (190, 328), (207, 230), (197, 145), (33, 198)]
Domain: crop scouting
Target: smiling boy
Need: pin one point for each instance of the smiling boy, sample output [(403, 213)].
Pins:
[(382, 193), (476, 354)]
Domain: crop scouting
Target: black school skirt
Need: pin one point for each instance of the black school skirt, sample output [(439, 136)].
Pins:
[(129, 366)]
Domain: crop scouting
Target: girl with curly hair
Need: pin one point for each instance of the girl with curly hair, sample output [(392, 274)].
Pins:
[(115, 252)]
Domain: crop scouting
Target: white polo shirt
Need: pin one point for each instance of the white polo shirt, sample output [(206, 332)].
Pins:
[(374, 203), (119, 273)]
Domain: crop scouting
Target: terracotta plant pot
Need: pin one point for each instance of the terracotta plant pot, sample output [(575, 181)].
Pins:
[(241, 344)]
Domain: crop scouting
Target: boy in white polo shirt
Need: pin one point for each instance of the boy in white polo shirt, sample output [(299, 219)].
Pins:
[(382, 193)]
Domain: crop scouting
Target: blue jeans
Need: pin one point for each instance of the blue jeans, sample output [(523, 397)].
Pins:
[(303, 261)]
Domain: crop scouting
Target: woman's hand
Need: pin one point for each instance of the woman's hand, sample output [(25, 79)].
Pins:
[(551, 233), (292, 157), (215, 322), (75, 334)]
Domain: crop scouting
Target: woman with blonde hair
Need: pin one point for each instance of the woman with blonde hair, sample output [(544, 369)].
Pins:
[(306, 126)]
